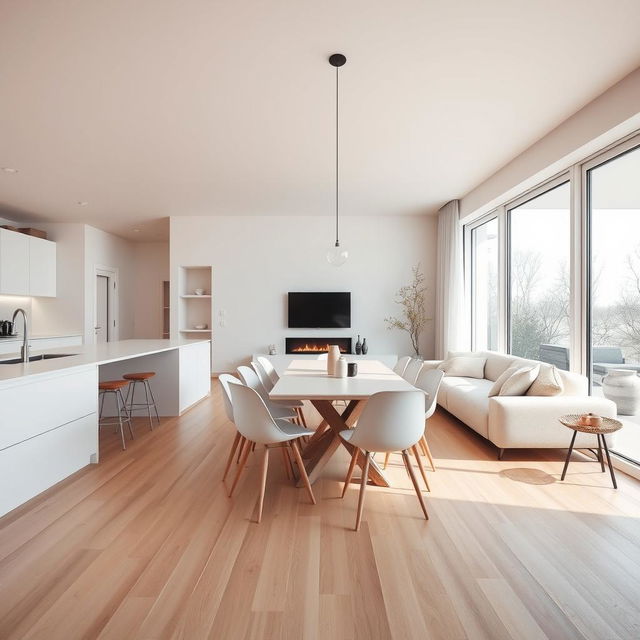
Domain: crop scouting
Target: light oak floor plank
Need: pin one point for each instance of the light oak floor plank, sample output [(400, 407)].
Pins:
[(147, 544)]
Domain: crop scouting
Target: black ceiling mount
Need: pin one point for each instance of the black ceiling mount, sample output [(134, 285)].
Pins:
[(337, 60)]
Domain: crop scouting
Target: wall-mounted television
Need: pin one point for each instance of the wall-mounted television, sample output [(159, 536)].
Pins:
[(309, 310)]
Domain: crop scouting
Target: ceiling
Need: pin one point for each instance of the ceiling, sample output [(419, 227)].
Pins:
[(145, 109)]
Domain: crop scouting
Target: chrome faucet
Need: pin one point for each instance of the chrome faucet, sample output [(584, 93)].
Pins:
[(24, 351)]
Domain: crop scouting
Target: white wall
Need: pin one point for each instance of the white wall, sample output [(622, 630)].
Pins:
[(608, 118), (105, 250), (257, 259), (151, 268)]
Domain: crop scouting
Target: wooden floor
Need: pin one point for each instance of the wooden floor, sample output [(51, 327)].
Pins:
[(147, 545)]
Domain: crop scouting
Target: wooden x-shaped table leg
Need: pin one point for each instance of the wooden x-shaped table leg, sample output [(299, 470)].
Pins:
[(320, 449)]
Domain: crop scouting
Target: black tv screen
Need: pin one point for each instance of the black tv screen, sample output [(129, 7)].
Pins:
[(319, 310)]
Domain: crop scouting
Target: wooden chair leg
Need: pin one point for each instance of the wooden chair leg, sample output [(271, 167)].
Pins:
[(302, 418), (263, 482), (303, 471), (422, 447), (243, 441), (363, 487), (386, 459), (412, 475), (421, 466), (352, 466), (425, 446), (286, 463), (289, 462), (243, 462), (234, 446)]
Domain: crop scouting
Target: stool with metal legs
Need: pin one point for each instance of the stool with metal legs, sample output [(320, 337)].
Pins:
[(115, 387), (150, 401)]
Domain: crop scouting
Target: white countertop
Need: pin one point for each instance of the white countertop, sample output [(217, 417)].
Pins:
[(86, 355), (308, 380)]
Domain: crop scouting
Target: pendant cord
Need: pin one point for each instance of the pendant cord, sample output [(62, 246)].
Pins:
[(337, 157)]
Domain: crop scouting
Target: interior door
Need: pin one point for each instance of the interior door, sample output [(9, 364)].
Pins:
[(102, 309)]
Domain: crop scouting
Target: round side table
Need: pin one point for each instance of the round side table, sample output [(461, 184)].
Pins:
[(609, 425)]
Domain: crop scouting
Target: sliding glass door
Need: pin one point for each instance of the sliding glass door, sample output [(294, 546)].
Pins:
[(613, 197), (539, 284), (484, 285)]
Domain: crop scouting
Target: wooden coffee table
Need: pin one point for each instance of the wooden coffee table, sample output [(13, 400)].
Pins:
[(609, 425)]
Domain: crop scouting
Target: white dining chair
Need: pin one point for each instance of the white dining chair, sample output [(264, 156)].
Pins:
[(401, 365), (250, 378), (226, 380), (269, 369), (256, 424), (412, 370), (429, 381), (265, 380), (390, 421)]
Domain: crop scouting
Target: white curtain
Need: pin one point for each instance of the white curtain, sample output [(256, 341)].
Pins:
[(450, 306)]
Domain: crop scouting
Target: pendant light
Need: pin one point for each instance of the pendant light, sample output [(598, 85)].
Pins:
[(337, 255)]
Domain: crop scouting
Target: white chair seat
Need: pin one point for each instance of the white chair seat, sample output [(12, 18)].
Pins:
[(292, 430), (289, 403)]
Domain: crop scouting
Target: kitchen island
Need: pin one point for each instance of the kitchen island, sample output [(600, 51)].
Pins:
[(49, 408)]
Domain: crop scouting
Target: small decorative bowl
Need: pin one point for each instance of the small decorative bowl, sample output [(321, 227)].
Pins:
[(199, 292), (201, 326), (590, 420)]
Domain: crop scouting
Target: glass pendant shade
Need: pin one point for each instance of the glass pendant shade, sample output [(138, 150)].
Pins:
[(337, 255)]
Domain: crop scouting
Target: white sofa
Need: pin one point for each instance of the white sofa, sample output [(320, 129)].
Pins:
[(519, 422)]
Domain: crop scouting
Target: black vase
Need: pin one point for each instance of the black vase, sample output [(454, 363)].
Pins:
[(358, 347), (365, 347)]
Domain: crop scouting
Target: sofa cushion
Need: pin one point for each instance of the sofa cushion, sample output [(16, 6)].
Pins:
[(468, 400), (497, 363), (501, 379), (464, 366), (548, 382), (520, 380)]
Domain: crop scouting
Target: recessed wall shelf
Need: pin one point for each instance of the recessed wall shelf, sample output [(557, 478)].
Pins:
[(192, 314)]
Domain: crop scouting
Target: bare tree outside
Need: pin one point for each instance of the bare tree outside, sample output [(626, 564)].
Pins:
[(539, 314)]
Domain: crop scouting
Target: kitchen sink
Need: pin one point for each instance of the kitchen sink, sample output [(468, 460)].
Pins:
[(42, 356)]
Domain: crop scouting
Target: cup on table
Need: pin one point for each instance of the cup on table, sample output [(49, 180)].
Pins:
[(352, 369)]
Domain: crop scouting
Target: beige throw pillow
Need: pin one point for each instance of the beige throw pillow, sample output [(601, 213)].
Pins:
[(520, 380), (464, 367), (548, 382), (501, 379)]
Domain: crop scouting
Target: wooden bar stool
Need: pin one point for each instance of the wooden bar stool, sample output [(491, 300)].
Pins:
[(150, 401), (115, 387)]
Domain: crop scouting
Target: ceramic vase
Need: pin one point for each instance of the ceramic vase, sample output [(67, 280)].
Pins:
[(623, 387), (332, 358), (341, 368), (365, 347), (358, 347)]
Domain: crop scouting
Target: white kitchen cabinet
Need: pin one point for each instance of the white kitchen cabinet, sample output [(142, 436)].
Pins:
[(42, 267), (27, 265), (14, 263)]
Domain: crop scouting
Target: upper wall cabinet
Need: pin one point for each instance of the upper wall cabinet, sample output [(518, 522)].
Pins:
[(27, 265), (14, 263), (42, 267)]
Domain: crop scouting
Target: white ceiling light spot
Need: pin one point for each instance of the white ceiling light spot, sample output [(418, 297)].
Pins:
[(9, 170)]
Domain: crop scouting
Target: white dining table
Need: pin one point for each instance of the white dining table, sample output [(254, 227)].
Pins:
[(308, 380)]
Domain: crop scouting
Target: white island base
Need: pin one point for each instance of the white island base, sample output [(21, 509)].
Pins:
[(49, 409)]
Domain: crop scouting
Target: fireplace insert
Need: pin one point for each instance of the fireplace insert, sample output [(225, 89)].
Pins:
[(316, 345)]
